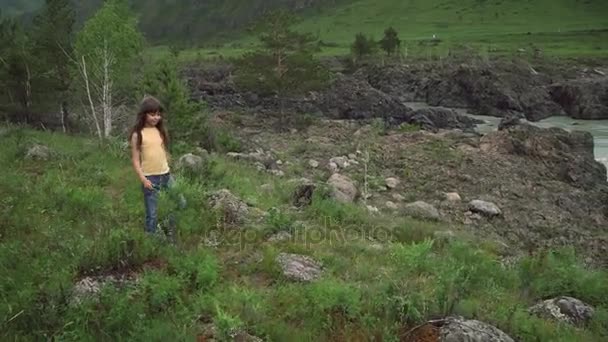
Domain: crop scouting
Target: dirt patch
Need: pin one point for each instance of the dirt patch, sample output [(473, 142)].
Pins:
[(425, 333)]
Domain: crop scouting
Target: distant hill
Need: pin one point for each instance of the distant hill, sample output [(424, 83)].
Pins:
[(337, 21)]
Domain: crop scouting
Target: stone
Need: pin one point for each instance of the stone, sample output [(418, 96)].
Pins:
[(38, 152), (422, 210), (391, 205), (278, 173), (372, 209), (299, 267), (343, 189), (398, 197), (199, 151), (484, 208), (352, 156), (280, 236), (565, 309), (341, 162), (313, 163), (452, 197), (279, 162), (232, 208), (190, 162), (458, 329), (391, 182), (333, 167)]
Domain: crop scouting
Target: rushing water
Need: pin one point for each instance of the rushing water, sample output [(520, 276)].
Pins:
[(597, 128)]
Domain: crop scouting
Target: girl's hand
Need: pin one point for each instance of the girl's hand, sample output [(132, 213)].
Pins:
[(147, 184)]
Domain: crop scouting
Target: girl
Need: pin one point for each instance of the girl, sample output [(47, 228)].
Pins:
[(150, 158)]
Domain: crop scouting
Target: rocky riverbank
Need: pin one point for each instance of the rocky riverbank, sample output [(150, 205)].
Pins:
[(523, 187), (498, 88)]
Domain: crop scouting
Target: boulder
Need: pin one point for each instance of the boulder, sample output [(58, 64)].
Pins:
[(452, 197), (38, 152), (190, 162), (422, 210), (391, 182), (299, 267), (583, 99), (232, 208), (565, 309), (485, 208), (458, 329), (343, 189)]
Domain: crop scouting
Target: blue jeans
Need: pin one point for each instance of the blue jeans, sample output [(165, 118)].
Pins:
[(159, 183)]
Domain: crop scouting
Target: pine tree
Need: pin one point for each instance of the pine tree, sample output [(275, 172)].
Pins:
[(390, 42), (52, 46), (284, 64), (363, 46)]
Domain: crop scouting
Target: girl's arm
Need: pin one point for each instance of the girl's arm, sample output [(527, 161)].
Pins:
[(136, 160)]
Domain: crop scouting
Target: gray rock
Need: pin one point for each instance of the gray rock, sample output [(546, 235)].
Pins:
[(232, 208), (391, 205), (343, 189), (392, 182), (565, 309), (458, 329), (278, 173), (299, 267), (422, 210), (313, 163), (452, 197), (398, 197), (199, 151), (372, 209), (484, 208), (333, 167), (190, 162), (341, 162), (38, 152), (280, 236)]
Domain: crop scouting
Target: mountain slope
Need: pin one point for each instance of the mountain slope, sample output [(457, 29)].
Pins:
[(543, 22), (338, 20)]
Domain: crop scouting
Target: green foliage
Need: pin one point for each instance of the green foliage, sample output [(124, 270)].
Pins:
[(186, 119), (226, 324), (52, 36), (279, 220), (284, 63), (110, 38), (390, 42), (363, 46), (364, 293), (559, 273), (199, 269)]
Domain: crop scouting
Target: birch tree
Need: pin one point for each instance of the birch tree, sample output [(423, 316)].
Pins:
[(105, 53)]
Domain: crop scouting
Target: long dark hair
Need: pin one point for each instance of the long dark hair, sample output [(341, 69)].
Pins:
[(149, 105)]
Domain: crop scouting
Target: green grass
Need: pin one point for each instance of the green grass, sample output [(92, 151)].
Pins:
[(81, 213), (564, 28)]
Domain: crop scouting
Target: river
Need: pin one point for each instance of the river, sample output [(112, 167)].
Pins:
[(597, 128)]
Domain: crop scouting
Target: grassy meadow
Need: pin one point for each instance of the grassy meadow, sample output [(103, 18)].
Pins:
[(80, 214), (562, 28)]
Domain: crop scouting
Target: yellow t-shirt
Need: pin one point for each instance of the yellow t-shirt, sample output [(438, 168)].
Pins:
[(154, 159)]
